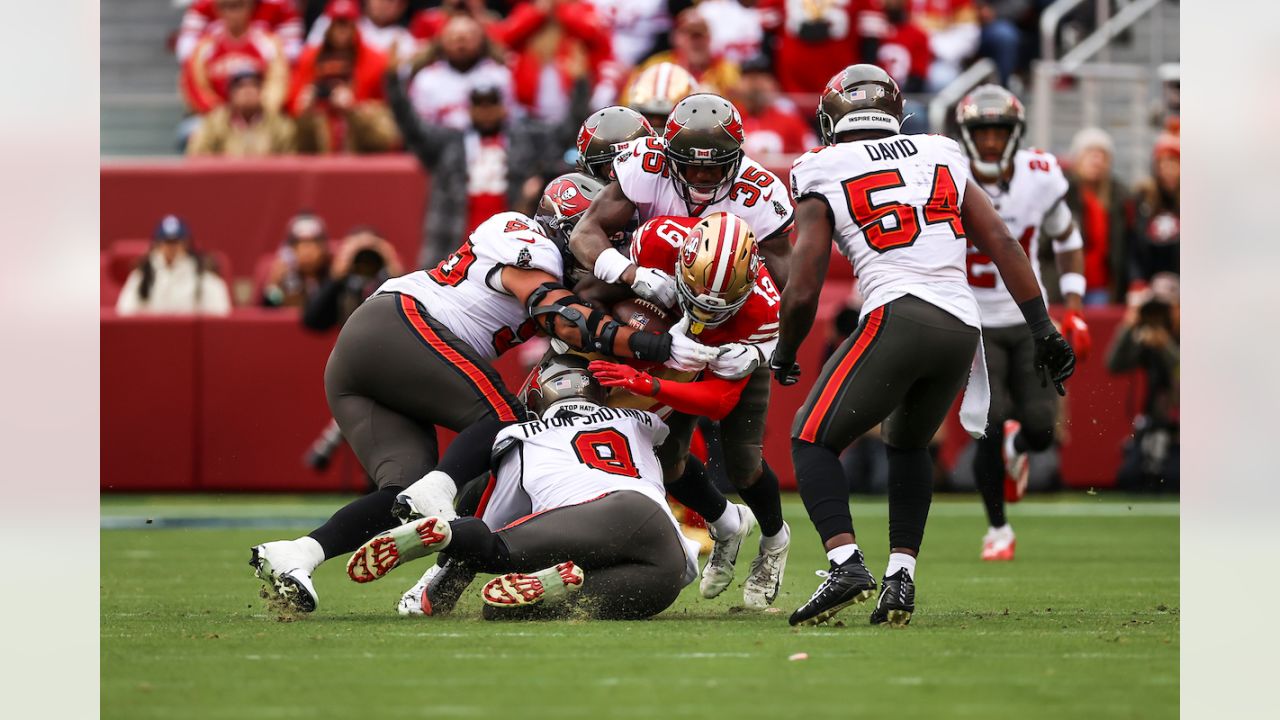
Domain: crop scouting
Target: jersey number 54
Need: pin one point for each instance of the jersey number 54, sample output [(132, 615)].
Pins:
[(873, 218)]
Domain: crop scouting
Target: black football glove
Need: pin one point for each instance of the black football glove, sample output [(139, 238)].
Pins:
[(1055, 360), (785, 369)]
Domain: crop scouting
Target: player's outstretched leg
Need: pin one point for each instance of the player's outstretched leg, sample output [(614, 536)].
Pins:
[(397, 546)]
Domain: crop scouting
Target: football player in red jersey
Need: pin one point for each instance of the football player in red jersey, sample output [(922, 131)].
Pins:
[(417, 354), (728, 300)]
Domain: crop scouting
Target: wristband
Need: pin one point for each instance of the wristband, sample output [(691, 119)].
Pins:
[(610, 265), (652, 347), (1037, 317), (1072, 284)]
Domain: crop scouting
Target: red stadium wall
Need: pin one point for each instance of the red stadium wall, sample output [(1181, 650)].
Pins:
[(233, 403)]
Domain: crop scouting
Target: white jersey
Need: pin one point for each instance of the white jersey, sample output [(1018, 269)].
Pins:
[(442, 96), (756, 195), (549, 464), (464, 293), (896, 204), (1032, 204)]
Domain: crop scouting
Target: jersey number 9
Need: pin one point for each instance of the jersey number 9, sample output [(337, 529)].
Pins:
[(607, 451)]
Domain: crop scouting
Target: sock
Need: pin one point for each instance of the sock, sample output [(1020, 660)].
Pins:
[(1001, 529), (355, 523), (823, 488), (898, 561), (727, 524), (777, 540), (765, 501), (841, 555), (469, 453), (910, 492), (988, 473), (694, 490), (311, 550), (478, 547)]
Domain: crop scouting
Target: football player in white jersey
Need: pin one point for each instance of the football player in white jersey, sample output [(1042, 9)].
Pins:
[(575, 517), (1028, 190), (417, 354), (900, 208)]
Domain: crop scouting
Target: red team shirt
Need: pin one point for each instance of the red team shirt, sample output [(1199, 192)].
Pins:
[(657, 245)]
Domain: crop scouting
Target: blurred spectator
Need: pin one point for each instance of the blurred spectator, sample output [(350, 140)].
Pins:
[(817, 39), (363, 262), (1156, 227), (900, 46), (173, 278), (427, 24), (274, 17), (230, 46), (772, 124), (552, 42), (954, 37), (243, 127), (301, 265), (491, 166), (637, 26), (1147, 341), (337, 90), (999, 37), (737, 33), (691, 50), (440, 92), (1098, 200), (380, 26)]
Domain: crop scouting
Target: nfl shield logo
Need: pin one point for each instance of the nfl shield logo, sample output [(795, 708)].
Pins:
[(702, 153)]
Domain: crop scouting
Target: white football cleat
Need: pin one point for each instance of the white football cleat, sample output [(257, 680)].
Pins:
[(718, 573), (765, 578), (998, 544), (286, 574), (552, 585), (1017, 466), (389, 550), (432, 496)]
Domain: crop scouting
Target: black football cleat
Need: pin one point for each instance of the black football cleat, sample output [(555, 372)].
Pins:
[(438, 591), (897, 600), (843, 585)]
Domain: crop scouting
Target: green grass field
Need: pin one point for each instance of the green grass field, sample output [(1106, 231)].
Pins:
[(1084, 624)]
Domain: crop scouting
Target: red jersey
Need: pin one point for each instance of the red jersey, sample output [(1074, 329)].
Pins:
[(657, 245), (218, 56), (278, 17), (904, 52), (779, 129)]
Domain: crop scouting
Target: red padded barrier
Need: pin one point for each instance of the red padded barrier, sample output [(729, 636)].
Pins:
[(241, 206), (149, 407)]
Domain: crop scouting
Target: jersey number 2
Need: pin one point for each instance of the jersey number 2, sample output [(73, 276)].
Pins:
[(606, 450), (943, 207)]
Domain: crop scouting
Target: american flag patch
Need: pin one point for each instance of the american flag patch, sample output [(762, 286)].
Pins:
[(702, 153), (857, 94)]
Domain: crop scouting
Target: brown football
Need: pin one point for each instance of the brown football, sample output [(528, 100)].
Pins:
[(643, 315)]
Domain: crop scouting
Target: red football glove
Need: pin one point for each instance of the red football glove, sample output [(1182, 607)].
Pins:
[(624, 376), (1076, 333)]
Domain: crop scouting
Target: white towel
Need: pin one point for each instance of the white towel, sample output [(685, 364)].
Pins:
[(977, 395)]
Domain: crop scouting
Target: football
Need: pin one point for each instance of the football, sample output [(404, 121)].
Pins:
[(643, 315)]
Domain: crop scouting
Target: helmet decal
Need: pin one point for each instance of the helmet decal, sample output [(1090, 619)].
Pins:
[(566, 197)]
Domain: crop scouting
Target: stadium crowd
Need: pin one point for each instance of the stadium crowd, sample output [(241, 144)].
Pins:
[(489, 96)]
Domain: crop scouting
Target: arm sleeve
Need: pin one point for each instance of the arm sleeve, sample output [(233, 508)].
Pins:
[(711, 397), (1059, 226)]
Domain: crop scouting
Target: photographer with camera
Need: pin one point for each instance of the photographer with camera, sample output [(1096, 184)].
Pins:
[(1148, 341), (337, 92), (363, 262)]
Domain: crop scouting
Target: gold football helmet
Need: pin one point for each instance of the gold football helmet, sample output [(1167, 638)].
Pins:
[(655, 91), (717, 269)]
